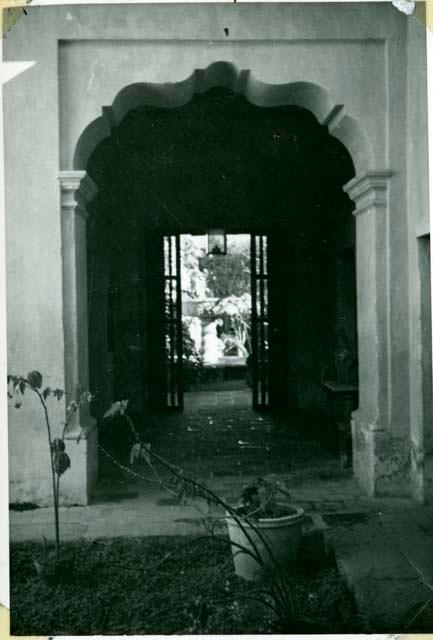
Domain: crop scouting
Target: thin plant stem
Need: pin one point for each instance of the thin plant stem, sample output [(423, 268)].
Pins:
[(53, 471), (279, 588), (57, 521)]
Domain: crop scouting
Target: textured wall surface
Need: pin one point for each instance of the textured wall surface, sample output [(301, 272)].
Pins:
[(369, 58)]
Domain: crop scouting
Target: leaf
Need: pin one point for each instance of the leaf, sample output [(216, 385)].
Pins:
[(72, 407), (116, 409), (34, 379), (46, 392), (22, 387), (113, 410), (61, 462), (134, 453), (123, 406), (145, 453), (84, 394), (57, 445), (58, 393)]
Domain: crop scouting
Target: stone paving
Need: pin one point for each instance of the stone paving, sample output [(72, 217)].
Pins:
[(383, 547), (219, 435), (225, 445), (198, 400), (387, 557)]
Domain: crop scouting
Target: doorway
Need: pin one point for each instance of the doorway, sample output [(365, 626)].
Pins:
[(216, 320)]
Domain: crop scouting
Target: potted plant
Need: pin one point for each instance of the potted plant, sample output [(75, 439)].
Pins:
[(263, 528), (264, 531)]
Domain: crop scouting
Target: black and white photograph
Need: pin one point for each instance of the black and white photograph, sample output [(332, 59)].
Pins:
[(217, 292)]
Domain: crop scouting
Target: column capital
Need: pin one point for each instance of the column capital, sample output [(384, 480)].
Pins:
[(368, 190), (77, 189)]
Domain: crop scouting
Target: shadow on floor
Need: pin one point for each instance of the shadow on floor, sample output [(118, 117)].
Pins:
[(221, 440)]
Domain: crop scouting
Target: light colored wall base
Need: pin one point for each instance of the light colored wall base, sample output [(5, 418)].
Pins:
[(31, 479), (381, 463), (78, 483)]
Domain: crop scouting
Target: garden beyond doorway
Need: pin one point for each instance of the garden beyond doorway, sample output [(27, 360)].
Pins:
[(216, 321)]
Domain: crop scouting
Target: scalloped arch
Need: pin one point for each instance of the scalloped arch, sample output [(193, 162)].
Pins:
[(242, 82)]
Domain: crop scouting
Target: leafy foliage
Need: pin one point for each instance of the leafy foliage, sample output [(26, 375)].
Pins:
[(59, 459), (215, 276), (117, 409), (222, 285), (193, 277), (236, 314), (259, 500), (192, 360), (228, 275)]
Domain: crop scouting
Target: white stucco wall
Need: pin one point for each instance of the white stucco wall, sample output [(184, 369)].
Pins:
[(91, 76), (419, 268), (85, 55)]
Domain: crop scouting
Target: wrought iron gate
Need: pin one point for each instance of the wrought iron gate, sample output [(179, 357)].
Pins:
[(173, 322), (260, 321)]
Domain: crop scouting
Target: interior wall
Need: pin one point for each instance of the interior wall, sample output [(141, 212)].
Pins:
[(321, 310), (310, 327), (126, 323)]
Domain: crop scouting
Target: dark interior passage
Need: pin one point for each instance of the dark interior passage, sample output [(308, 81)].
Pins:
[(221, 162)]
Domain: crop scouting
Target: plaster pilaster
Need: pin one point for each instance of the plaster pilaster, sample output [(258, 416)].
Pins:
[(76, 191), (370, 194), (373, 438)]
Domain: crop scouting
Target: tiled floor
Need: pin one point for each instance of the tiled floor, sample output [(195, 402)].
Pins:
[(220, 436), (196, 400)]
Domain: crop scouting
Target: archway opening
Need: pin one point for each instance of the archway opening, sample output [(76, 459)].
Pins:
[(219, 162)]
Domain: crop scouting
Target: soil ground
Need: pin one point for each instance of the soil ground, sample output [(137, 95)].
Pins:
[(120, 587)]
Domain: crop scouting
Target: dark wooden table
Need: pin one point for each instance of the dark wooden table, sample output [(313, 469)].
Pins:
[(344, 398)]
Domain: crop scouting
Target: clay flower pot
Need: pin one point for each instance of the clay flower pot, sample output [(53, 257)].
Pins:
[(283, 535)]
